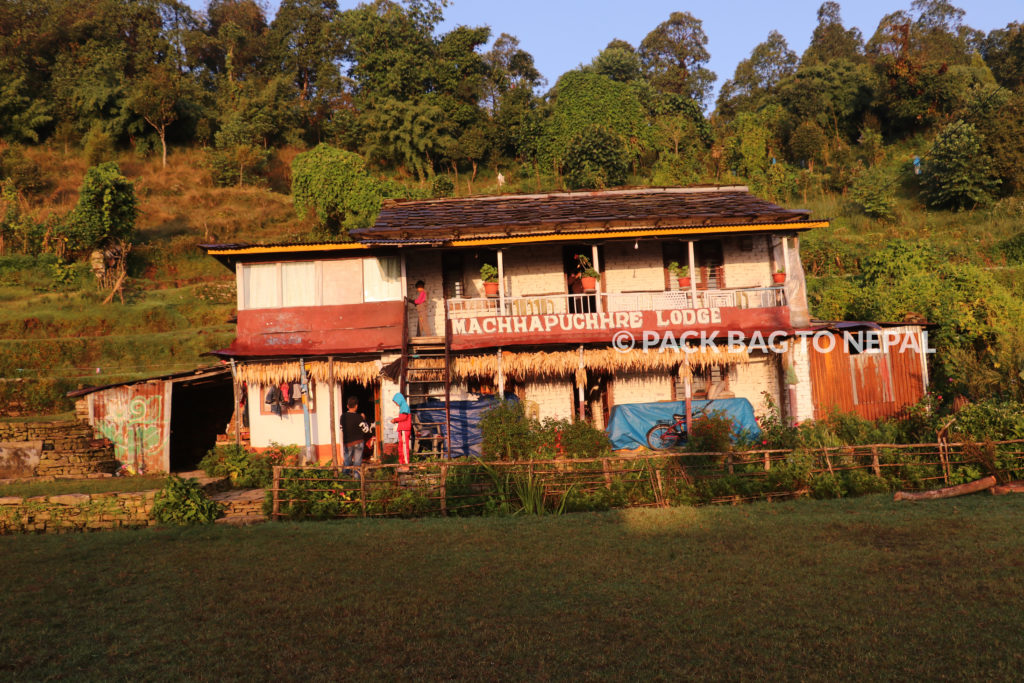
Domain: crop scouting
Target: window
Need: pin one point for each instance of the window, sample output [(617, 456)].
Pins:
[(259, 282), (298, 284), (342, 282), (382, 279)]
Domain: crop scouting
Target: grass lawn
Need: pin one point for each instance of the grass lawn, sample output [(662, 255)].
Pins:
[(29, 488), (863, 588)]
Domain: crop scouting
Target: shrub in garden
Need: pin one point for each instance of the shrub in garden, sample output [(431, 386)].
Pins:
[(181, 502), (507, 434), (862, 482), (874, 192), (827, 485), (245, 468), (711, 433)]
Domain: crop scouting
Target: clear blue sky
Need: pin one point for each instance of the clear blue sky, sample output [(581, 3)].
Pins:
[(561, 34)]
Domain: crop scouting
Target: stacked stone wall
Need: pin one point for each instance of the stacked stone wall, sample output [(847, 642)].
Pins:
[(64, 449), (73, 512)]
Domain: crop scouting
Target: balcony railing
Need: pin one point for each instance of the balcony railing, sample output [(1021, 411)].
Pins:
[(612, 302)]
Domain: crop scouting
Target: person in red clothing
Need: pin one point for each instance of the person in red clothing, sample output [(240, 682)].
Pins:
[(404, 423), (423, 328)]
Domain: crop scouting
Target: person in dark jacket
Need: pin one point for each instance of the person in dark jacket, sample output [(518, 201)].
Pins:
[(354, 432)]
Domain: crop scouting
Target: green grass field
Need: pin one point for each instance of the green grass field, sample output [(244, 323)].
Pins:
[(28, 488), (852, 589)]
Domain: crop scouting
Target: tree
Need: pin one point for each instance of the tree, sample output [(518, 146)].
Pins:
[(156, 97), (595, 159), (619, 62), (756, 76), (21, 114), (835, 96), (957, 174), (106, 210), (1003, 50), (509, 67), (1003, 130), (674, 55), (334, 184), (409, 134), (583, 100), (831, 40)]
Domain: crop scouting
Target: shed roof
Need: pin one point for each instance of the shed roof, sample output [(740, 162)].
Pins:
[(568, 212)]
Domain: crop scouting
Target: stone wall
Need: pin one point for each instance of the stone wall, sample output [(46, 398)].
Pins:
[(76, 512), (65, 449)]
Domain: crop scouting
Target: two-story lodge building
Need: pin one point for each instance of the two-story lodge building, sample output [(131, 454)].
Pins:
[(557, 342)]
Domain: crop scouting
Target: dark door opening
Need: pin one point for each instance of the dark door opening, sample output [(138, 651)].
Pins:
[(200, 410)]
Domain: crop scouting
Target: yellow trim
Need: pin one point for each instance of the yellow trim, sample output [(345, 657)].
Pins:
[(289, 248), (527, 239), (615, 234)]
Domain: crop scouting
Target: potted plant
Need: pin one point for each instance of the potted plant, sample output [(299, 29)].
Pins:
[(779, 276), (489, 275), (681, 272), (588, 274)]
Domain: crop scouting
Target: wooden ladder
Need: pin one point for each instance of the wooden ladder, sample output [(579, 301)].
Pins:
[(427, 380)]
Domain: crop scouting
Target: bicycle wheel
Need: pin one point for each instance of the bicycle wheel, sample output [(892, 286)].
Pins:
[(663, 437)]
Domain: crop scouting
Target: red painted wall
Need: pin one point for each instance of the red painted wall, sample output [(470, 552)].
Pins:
[(319, 329)]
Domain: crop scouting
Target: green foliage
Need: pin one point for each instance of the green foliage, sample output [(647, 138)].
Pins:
[(181, 502), (874, 192), (245, 468), (990, 420), (488, 273), (106, 210), (674, 57), (1014, 248), (711, 433), (442, 186), (24, 174), (827, 485), (595, 159), (587, 102), (958, 174), (507, 434), (580, 439), (334, 184), (98, 146), (775, 432)]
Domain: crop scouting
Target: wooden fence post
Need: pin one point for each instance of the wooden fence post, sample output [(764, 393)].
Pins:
[(362, 486), (607, 474), (875, 466), (767, 462), (275, 510), (444, 487)]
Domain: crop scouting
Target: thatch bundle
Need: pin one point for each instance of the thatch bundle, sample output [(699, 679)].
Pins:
[(560, 364), (268, 373)]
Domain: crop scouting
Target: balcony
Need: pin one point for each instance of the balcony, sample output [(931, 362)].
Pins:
[(613, 302), (597, 317)]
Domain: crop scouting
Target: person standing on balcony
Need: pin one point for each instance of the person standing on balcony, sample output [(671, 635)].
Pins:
[(404, 424), (423, 328), (355, 431)]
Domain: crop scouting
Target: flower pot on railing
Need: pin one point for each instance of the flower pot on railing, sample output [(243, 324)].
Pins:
[(490, 289), (778, 278), (684, 283), (589, 283)]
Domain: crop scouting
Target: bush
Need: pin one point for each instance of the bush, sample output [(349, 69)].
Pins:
[(24, 173), (245, 468), (874, 192), (508, 434), (990, 420), (595, 159), (106, 210), (334, 185), (861, 482), (958, 174), (1013, 248), (98, 146), (711, 433), (182, 502), (827, 485), (442, 186)]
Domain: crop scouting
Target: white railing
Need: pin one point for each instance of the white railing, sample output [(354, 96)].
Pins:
[(557, 304)]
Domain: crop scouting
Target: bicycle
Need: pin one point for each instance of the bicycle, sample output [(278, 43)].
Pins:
[(668, 435)]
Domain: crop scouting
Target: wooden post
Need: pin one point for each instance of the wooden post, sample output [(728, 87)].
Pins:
[(767, 462), (444, 489), (501, 378), (693, 273), (238, 417), (874, 462), (362, 486), (661, 488), (597, 290), (607, 474), (334, 419), (276, 492), (688, 397), (785, 255), (501, 282)]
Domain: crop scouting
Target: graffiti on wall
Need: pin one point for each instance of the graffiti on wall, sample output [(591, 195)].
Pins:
[(135, 425)]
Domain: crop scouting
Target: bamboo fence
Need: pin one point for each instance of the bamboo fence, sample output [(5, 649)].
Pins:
[(646, 479)]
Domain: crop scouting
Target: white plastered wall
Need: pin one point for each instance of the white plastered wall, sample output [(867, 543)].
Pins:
[(633, 270), (747, 268), (266, 429), (641, 388), (554, 398)]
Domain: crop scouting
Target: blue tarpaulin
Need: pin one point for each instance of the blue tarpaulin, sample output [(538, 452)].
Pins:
[(465, 421), (630, 423)]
